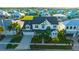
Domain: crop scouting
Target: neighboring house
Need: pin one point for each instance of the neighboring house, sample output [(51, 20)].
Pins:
[(41, 23), (7, 23), (44, 13), (16, 14), (5, 26), (72, 26), (60, 17)]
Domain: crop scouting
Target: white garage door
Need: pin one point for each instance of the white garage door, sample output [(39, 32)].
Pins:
[(28, 33)]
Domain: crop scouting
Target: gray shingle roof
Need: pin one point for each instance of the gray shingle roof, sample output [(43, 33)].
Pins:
[(38, 20)]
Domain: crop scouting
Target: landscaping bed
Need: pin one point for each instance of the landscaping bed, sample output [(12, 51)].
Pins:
[(36, 39), (68, 41), (11, 46), (41, 47), (15, 39)]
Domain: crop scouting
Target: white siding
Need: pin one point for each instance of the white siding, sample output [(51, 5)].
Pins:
[(46, 23), (54, 26)]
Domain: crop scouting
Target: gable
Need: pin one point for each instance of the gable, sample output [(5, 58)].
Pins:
[(46, 22)]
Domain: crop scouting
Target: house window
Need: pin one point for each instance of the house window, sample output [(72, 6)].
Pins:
[(36, 26), (27, 27), (54, 33), (59, 17), (54, 26), (43, 26), (67, 27), (70, 27), (74, 27)]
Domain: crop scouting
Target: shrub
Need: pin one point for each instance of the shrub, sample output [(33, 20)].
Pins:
[(16, 38), (48, 39), (41, 47), (36, 39), (11, 46), (56, 40)]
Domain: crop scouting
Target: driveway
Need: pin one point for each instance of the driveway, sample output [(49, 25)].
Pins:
[(76, 44), (5, 40), (25, 42)]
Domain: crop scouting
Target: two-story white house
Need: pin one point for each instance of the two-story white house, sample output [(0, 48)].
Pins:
[(40, 23)]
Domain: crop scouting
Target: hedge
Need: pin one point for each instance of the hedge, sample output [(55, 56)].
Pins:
[(11, 46), (41, 47), (36, 39)]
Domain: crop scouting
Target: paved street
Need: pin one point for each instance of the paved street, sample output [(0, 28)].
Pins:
[(25, 42), (76, 44)]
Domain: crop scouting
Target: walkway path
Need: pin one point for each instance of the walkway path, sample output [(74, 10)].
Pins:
[(25, 43)]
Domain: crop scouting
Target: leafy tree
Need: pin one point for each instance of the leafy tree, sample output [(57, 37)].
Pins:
[(48, 31), (61, 35), (44, 35), (15, 26), (56, 39)]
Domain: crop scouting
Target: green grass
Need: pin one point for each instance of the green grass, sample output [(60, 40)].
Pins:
[(41, 47), (50, 40), (15, 39), (36, 39), (11, 46)]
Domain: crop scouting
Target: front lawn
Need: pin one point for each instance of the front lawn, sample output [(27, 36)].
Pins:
[(11, 46), (36, 39), (56, 40), (15, 39)]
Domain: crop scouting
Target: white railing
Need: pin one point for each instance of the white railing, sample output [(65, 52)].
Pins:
[(49, 44)]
